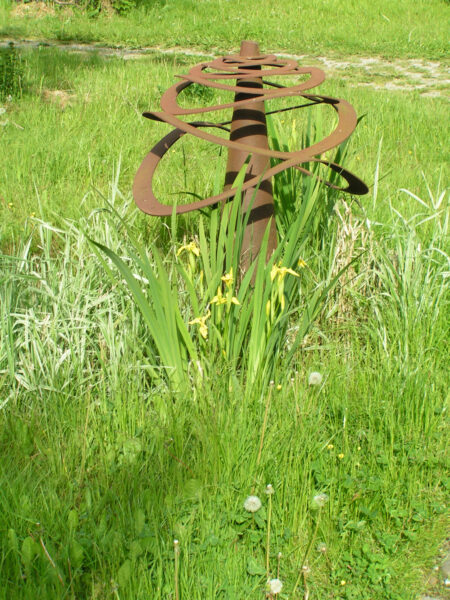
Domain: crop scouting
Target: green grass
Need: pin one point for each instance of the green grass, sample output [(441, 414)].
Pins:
[(104, 469), (401, 28), (57, 151), (103, 464)]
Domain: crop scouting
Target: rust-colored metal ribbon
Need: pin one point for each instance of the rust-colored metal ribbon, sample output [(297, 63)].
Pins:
[(248, 136)]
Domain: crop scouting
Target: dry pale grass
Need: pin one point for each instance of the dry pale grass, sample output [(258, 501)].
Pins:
[(33, 9), (60, 98), (353, 239)]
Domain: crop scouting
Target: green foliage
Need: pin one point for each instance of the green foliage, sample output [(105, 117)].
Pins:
[(69, 139), (104, 463), (378, 28), (11, 73), (239, 321), (97, 7)]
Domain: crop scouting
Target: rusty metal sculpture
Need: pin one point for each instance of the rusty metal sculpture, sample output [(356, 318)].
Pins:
[(248, 137)]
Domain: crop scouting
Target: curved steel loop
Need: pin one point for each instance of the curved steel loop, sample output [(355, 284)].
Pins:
[(346, 125), (148, 203), (287, 67), (247, 96), (169, 102), (235, 59)]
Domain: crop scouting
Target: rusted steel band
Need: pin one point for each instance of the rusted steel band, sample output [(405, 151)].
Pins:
[(241, 69)]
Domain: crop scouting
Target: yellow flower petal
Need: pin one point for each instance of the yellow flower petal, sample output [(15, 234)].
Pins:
[(201, 322), (228, 278), (280, 272), (218, 299), (192, 248)]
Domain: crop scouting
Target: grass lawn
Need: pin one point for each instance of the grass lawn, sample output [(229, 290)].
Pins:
[(107, 455), (390, 29)]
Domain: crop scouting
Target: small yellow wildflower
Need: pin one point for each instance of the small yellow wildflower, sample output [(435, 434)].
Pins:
[(219, 299), (341, 456), (201, 322), (301, 263), (279, 387), (192, 248), (330, 447), (228, 278), (280, 272), (343, 582), (10, 204)]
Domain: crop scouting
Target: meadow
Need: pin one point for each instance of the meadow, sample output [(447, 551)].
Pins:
[(123, 428)]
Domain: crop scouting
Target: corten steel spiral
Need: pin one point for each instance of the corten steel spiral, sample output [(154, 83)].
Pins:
[(248, 138)]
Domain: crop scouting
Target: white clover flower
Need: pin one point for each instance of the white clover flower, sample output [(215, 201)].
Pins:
[(274, 586), (320, 500), (252, 504), (269, 489), (315, 378)]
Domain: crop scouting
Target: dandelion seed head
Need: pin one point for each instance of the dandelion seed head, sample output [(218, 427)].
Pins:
[(274, 586), (269, 489), (252, 504), (322, 547), (320, 500), (315, 378)]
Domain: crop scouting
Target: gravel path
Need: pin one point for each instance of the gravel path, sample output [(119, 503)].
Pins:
[(430, 78)]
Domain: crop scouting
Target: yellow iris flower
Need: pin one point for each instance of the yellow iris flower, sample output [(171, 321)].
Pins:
[(228, 278), (281, 272), (192, 248), (201, 322), (219, 298)]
